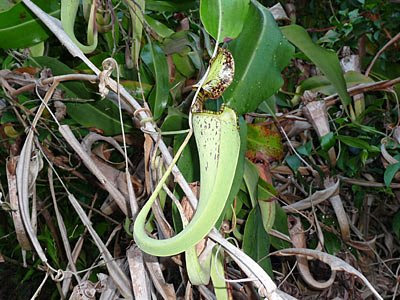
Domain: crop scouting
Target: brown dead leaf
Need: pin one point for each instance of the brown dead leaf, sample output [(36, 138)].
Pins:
[(335, 263), (86, 290), (298, 238), (22, 236), (61, 110)]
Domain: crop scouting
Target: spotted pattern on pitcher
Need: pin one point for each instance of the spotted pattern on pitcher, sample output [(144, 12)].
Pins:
[(220, 76)]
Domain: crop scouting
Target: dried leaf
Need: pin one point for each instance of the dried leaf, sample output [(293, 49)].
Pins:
[(86, 290), (22, 237), (299, 241), (314, 199), (166, 290), (334, 262), (61, 110), (139, 277)]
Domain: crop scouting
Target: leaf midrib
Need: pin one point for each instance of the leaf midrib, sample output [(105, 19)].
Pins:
[(28, 22), (244, 74)]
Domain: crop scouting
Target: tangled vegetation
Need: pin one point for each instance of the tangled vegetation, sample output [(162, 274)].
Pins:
[(278, 120)]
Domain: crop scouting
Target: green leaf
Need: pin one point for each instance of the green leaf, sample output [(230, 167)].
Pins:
[(357, 143), (256, 241), (170, 6), (183, 64), (260, 53), (323, 85), (8, 117), (155, 59), (48, 240), (266, 201), (136, 16), (136, 88), (328, 141), (281, 225), (73, 88), (326, 61), (37, 50), (396, 224), (174, 121), (102, 114), (294, 162), (250, 177), (244, 198), (390, 171), (223, 18), (332, 243), (218, 281), (265, 141), (158, 27), (20, 28), (28, 274), (97, 60), (188, 162), (305, 149)]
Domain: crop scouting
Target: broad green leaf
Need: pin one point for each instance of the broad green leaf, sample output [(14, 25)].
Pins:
[(20, 28), (365, 128), (136, 88), (188, 162), (223, 18), (357, 143), (332, 243), (73, 88), (281, 225), (158, 27), (260, 53), (323, 85), (293, 162), (136, 11), (8, 117), (327, 61), (244, 198), (256, 241), (328, 141), (37, 50), (101, 114), (251, 180), (170, 6), (177, 43), (175, 120), (183, 64), (305, 149), (264, 141), (266, 199), (155, 59), (390, 171)]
